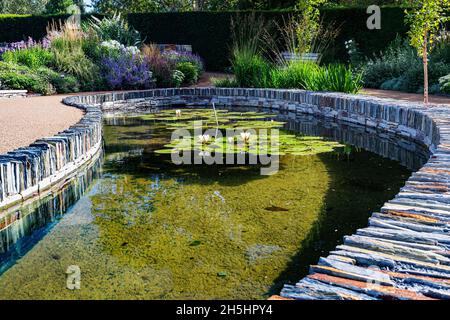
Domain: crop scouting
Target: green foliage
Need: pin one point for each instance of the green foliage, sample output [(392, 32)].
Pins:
[(226, 82), (190, 72), (250, 70), (425, 20), (22, 6), (14, 76), (399, 68), (115, 28), (336, 78), (70, 57), (63, 83), (177, 78), (209, 32), (309, 28), (295, 75), (58, 6), (33, 58), (444, 84), (310, 76)]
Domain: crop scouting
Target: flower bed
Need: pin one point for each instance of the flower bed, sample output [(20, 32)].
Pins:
[(102, 54)]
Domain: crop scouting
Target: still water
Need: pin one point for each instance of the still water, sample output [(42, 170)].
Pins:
[(140, 227)]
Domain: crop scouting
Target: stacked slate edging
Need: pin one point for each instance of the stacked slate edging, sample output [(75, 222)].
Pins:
[(25, 172), (404, 253), (13, 94)]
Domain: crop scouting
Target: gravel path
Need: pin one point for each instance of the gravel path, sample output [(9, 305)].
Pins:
[(24, 120), (411, 97)]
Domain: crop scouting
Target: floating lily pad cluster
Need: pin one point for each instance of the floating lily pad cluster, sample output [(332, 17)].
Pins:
[(254, 133)]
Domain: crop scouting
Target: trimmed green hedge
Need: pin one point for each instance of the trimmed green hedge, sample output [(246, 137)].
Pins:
[(209, 32)]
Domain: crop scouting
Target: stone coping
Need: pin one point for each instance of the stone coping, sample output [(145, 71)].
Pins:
[(13, 93), (404, 253), (28, 171)]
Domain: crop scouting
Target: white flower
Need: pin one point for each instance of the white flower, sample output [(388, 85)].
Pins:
[(245, 136), (178, 113), (204, 138), (111, 44)]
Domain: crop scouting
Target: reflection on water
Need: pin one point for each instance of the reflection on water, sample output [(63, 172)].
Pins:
[(149, 229), (21, 227)]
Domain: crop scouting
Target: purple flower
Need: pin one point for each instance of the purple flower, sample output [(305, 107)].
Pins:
[(184, 56), (21, 45), (126, 71)]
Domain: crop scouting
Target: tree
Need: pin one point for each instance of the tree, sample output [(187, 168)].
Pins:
[(131, 6), (58, 6), (22, 6), (309, 27), (426, 18)]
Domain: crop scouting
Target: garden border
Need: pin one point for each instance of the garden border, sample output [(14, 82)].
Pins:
[(402, 254)]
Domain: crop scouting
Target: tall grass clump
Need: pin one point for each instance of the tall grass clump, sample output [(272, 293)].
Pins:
[(67, 41), (250, 69), (294, 75), (336, 78), (249, 64), (311, 76)]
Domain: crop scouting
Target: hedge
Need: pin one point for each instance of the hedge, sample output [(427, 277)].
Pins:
[(209, 32)]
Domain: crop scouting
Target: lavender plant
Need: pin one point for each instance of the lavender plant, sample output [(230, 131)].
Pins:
[(126, 71)]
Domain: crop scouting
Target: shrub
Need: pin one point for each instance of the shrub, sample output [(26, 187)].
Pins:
[(189, 71), (444, 84), (18, 77), (178, 57), (400, 68), (33, 57), (63, 83), (115, 28), (127, 71), (163, 69), (70, 58)]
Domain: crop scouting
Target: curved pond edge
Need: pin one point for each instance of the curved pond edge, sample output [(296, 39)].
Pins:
[(404, 253)]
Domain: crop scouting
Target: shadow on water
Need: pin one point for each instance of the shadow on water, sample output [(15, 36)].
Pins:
[(22, 227), (344, 212)]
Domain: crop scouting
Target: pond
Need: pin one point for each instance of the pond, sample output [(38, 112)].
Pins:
[(139, 226)]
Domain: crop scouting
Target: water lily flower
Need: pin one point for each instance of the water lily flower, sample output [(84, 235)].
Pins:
[(204, 138), (245, 136), (178, 113)]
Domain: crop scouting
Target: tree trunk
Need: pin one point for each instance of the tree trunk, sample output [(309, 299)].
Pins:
[(425, 69)]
